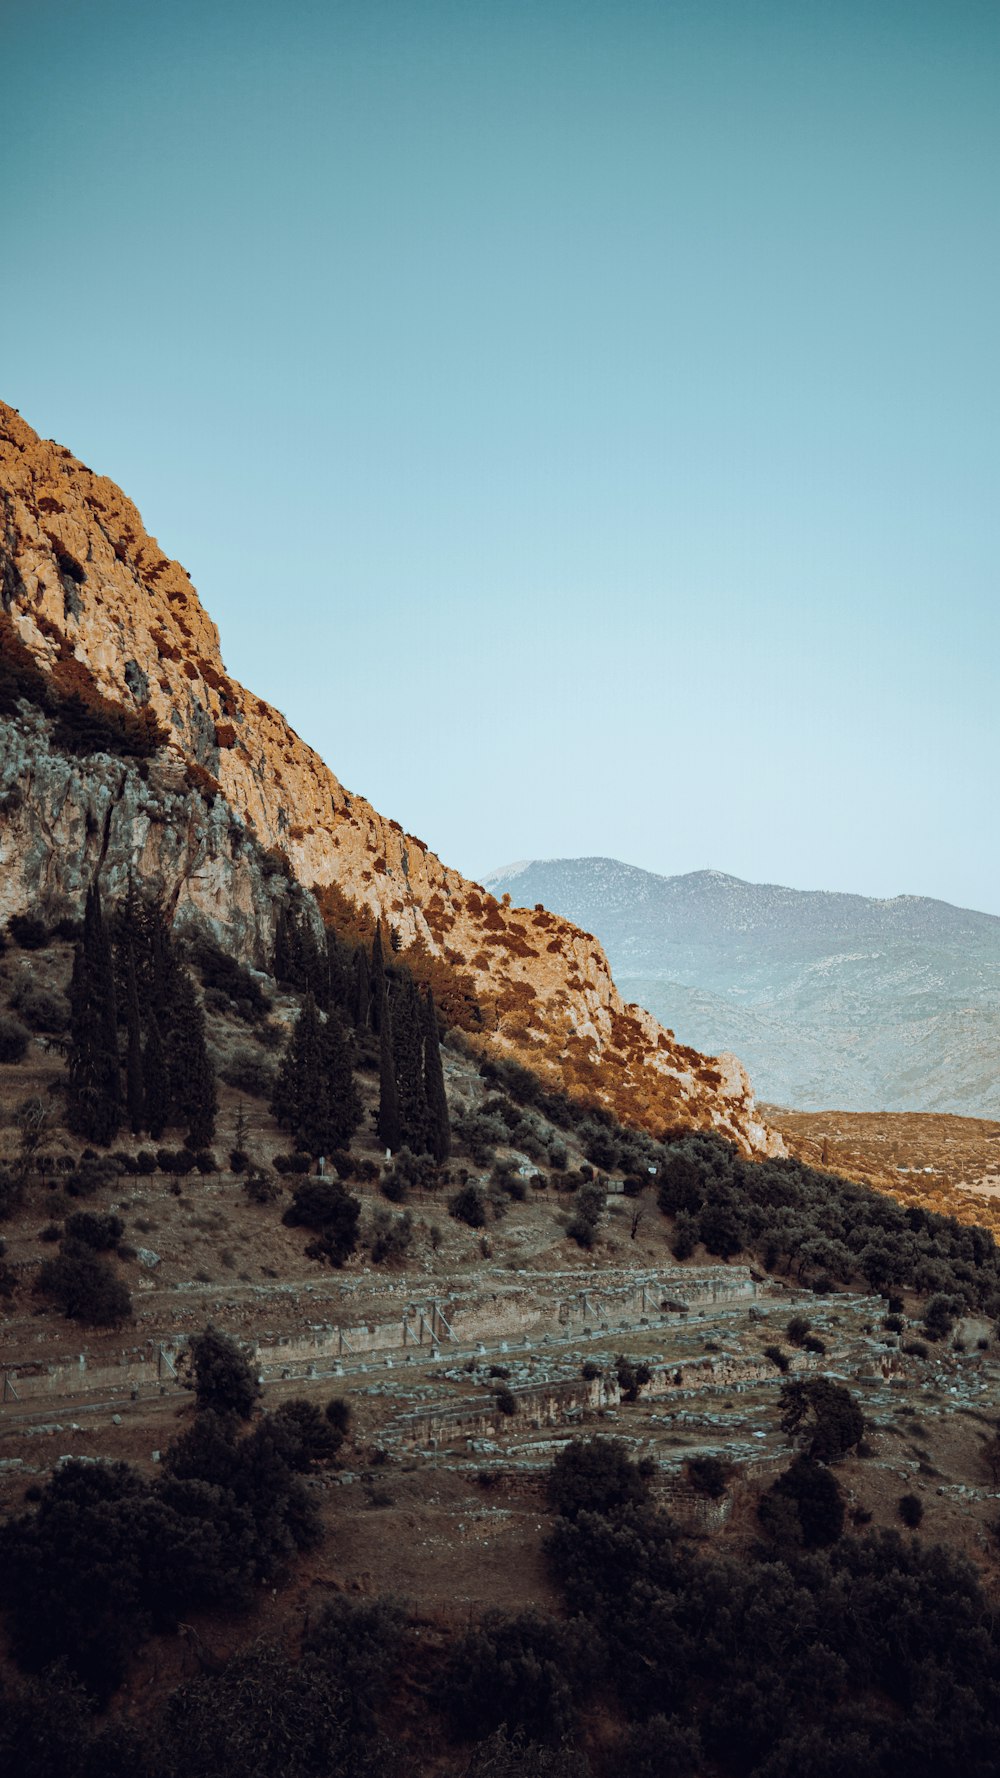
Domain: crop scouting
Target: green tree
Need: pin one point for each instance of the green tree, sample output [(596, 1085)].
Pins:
[(377, 985), (804, 1506), (135, 1093), (596, 1475), (94, 1087), (389, 1128), (408, 1055), (155, 1084), (85, 1286), (194, 1101), (326, 1207), (224, 1380), (436, 1099), (821, 1416), (314, 1094)]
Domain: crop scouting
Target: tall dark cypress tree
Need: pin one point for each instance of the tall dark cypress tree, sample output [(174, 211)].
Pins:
[(408, 1055), (287, 961), (156, 1086), (298, 1098), (377, 979), (189, 1071), (343, 1104), (314, 1095), (94, 1088), (361, 994), (438, 1122), (135, 1093), (337, 972), (389, 1130)]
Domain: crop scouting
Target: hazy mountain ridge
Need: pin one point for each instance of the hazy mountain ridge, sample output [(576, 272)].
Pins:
[(831, 999)]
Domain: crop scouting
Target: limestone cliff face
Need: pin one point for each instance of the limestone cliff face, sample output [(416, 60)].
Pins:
[(64, 821), (79, 574)]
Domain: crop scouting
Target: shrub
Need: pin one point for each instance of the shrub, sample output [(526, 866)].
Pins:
[(708, 1475), (939, 1316), (86, 1288), (797, 1329), (260, 1186), (631, 1377), (40, 1008), (778, 1358), (916, 1349), (239, 1160), (685, 1236), (523, 1671), (392, 1237), (505, 1401), (595, 1475), (145, 1162), (220, 971), (822, 1416), (325, 1206), (28, 932), (359, 1642), (911, 1510), (14, 1039), (249, 1072), (97, 1232), (583, 1224), (223, 1378), (804, 1506), (468, 1206), (93, 1174)]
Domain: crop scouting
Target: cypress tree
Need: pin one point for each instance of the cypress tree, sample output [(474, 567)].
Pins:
[(389, 1131), (361, 991), (156, 1087), (189, 1071), (298, 1090), (285, 966), (94, 1087), (408, 1055), (337, 972), (135, 1096), (314, 1095), (343, 1104), (438, 1123), (377, 1001)]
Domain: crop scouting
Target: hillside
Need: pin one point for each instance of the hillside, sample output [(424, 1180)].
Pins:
[(830, 999), (104, 614)]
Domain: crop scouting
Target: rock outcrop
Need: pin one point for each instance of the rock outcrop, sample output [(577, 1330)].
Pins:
[(84, 582)]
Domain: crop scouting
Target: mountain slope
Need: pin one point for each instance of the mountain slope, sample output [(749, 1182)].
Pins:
[(93, 598), (831, 999)]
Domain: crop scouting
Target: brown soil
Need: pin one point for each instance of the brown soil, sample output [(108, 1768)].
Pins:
[(949, 1164)]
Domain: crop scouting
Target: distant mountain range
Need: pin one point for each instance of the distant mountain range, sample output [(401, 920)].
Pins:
[(830, 1000)]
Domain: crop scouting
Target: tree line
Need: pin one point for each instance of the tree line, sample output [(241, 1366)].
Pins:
[(378, 999), (137, 1052), (811, 1652)]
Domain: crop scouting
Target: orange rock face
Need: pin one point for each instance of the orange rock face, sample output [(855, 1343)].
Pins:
[(82, 578)]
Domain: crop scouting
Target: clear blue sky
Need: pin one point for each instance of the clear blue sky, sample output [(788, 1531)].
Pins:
[(581, 419)]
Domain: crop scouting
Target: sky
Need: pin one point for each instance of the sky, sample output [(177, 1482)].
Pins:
[(581, 419)]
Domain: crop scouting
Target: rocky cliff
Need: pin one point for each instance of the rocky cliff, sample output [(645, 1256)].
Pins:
[(90, 592)]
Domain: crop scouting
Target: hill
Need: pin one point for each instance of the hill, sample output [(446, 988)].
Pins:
[(130, 660), (830, 999)]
